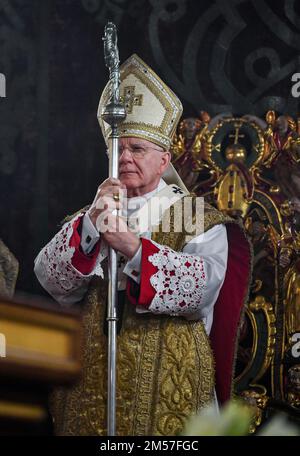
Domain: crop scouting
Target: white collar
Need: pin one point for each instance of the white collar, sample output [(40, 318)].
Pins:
[(137, 202)]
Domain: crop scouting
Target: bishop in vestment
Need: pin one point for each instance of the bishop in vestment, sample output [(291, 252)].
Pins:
[(181, 295)]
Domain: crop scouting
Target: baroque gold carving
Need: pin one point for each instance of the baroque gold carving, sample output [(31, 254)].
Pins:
[(257, 398), (260, 304)]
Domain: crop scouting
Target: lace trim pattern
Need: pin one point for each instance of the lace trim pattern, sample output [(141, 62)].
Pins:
[(57, 265), (179, 282)]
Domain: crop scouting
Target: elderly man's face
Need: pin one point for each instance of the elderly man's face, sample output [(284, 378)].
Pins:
[(141, 164)]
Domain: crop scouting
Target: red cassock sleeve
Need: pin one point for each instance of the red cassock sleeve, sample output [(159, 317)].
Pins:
[(144, 293), (82, 262)]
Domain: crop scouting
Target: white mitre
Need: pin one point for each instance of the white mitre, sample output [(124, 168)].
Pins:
[(152, 109)]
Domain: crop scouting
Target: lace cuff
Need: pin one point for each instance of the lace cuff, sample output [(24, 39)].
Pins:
[(54, 267), (179, 283)]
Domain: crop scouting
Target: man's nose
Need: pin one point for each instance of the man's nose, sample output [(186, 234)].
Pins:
[(125, 155)]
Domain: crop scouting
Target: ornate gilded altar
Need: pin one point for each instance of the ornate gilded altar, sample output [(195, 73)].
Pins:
[(249, 168)]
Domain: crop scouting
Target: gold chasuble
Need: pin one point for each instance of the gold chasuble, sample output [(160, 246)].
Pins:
[(165, 365)]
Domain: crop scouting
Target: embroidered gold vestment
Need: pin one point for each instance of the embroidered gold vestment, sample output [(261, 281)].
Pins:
[(165, 366)]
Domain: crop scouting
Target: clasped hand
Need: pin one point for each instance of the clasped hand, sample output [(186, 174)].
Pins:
[(104, 216)]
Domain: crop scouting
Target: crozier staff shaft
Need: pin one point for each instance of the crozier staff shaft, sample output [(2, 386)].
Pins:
[(113, 114)]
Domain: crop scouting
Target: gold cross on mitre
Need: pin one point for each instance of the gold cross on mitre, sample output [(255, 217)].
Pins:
[(130, 99)]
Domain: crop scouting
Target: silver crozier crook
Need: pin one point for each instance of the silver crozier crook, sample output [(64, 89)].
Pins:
[(113, 114)]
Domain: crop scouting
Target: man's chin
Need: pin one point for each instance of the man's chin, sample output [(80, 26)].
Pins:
[(130, 180)]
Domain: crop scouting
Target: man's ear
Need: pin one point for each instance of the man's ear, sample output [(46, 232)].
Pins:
[(165, 160)]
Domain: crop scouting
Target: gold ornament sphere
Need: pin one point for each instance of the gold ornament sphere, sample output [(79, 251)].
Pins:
[(235, 153)]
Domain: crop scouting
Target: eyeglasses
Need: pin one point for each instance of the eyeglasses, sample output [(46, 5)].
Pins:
[(137, 151)]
